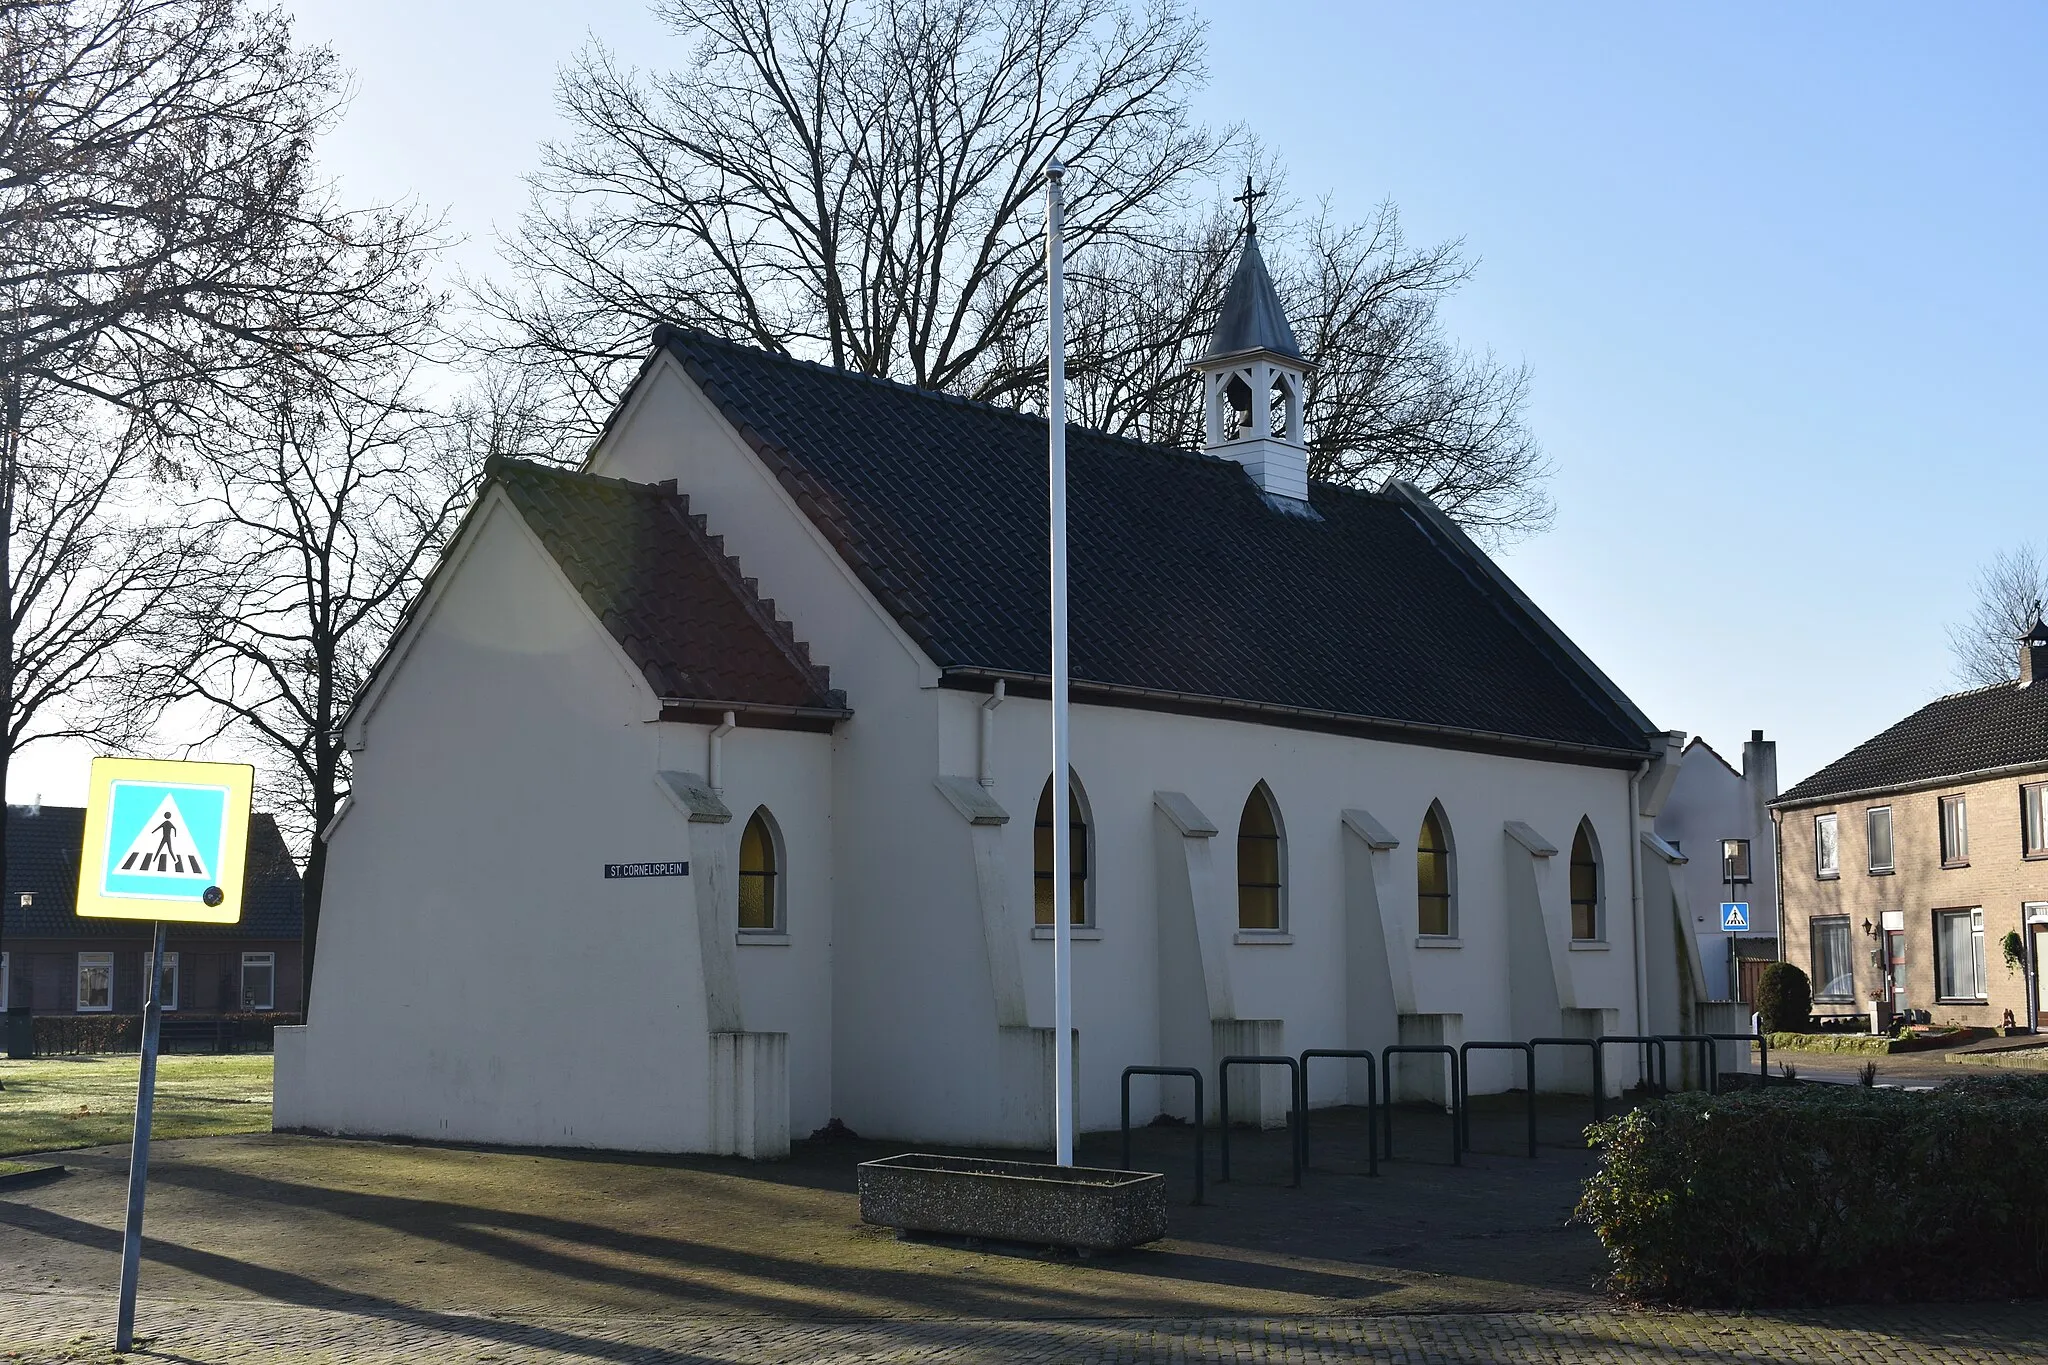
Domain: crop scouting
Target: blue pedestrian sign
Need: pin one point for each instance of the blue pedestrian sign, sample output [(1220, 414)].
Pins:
[(1734, 917), (165, 840)]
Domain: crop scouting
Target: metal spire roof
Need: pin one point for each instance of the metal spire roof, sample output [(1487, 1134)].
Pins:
[(1252, 318)]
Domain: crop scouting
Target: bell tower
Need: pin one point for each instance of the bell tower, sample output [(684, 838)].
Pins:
[(1253, 376)]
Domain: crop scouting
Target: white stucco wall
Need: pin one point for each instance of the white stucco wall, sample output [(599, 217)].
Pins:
[(479, 979), (1710, 802)]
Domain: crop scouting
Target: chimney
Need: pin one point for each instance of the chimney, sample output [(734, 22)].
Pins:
[(1760, 764), (2034, 653)]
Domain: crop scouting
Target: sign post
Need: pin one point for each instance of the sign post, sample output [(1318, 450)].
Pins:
[(164, 841)]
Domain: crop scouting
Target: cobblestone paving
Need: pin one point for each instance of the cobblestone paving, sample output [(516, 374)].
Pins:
[(36, 1328)]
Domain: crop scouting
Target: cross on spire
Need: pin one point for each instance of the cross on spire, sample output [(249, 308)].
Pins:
[(1249, 199)]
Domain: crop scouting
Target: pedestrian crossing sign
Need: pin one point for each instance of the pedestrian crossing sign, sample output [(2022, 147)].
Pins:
[(1734, 917), (165, 840)]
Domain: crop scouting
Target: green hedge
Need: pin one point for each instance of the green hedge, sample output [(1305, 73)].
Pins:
[(1861, 1043), (1826, 1194)]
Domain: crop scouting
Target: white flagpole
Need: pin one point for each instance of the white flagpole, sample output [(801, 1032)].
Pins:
[(1062, 852)]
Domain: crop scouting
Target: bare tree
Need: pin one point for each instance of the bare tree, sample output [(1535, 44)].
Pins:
[(2010, 588), (328, 504), (164, 237), (92, 576), (854, 180)]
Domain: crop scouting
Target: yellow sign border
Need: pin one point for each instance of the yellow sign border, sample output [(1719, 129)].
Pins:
[(238, 778)]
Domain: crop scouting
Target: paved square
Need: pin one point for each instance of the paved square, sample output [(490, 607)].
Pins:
[(304, 1249)]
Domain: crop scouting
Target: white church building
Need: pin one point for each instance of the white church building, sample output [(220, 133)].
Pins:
[(626, 866)]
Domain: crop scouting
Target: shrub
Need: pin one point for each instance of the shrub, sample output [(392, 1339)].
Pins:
[(1826, 1194), (1784, 997), (59, 1035)]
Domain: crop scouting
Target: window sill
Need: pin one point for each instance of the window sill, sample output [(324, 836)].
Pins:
[(1590, 945), (1965, 1000), (1948, 866), (1827, 876), (1438, 941), (94, 1009), (1262, 937), (2039, 855), (754, 938), (1884, 872), (1079, 933)]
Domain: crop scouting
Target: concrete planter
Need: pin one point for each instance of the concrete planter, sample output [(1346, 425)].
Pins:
[(1014, 1201)]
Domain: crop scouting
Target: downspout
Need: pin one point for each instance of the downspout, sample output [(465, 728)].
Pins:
[(986, 766), (1635, 879), (715, 764)]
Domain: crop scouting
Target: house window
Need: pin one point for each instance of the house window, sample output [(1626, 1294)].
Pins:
[(1435, 876), (1877, 823), (1261, 865), (259, 981), (1585, 884), (1959, 955), (1833, 975), (2034, 820), (760, 876), (170, 996), (1827, 848), (95, 982), (1041, 857), (1735, 860), (1955, 832)]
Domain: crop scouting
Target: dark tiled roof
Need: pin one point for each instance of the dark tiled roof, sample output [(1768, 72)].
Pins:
[(2005, 726), (1252, 317), (1182, 578), (666, 590), (42, 857)]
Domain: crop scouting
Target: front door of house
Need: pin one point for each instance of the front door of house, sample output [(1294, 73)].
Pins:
[(1895, 967), (2041, 976)]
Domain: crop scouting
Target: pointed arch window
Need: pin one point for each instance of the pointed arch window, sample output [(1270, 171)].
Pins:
[(1261, 865), (1585, 883), (761, 876), (1436, 876), (1079, 841)]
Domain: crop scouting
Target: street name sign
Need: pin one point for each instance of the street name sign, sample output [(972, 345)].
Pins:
[(1734, 917), (165, 840), (615, 871)]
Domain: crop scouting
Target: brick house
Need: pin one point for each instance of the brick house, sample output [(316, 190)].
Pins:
[(1906, 863), (53, 962)]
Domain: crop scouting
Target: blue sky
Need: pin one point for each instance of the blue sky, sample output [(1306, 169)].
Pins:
[(1776, 270)]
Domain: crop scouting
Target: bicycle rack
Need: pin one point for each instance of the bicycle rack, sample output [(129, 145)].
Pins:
[(1643, 1041), (1192, 1075), (1444, 1050), (1710, 1065), (1528, 1051), (1372, 1103), (1293, 1117), (1763, 1053), (1599, 1065)]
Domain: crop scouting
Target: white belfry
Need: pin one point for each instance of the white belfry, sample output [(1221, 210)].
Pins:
[(1253, 379)]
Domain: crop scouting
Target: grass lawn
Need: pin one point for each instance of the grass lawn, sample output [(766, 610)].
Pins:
[(60, 1102)]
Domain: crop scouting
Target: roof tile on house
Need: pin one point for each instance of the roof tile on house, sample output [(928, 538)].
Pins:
[(1182, 578), (42, 860), (666, 590), (1987, 728)]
